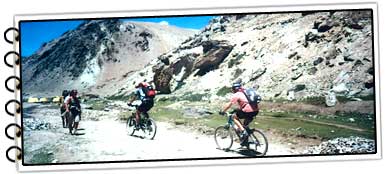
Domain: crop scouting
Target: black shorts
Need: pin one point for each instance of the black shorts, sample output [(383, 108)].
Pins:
[(146, 105), (247, 116)]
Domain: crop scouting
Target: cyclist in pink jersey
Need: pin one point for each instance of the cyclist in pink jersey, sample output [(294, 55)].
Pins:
[(245, 111)]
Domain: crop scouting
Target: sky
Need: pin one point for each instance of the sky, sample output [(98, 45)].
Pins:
[(35, 34)]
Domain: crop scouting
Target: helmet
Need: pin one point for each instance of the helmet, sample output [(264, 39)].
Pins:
[(73, 92), (236, 86)]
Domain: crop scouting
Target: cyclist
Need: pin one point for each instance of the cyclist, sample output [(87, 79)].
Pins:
[(145, 93), (246, 110), (73, 106), (64, 114)]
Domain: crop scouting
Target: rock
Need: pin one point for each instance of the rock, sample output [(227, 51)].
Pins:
[(196, 112), (325, 26), (244, 43), (312, 71), (330, 99), (297, 75), (214, 53), (258, 73), (299, 87), (369, 84), (292, 55), (318, 61), (344, 146), (291, 95), (370, 71), (340, 88), (164, 74)]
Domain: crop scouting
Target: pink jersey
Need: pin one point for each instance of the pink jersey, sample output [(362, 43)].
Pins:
[(240, 99)]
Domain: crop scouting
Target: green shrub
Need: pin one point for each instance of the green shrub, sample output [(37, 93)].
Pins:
[(223, 91), (121, 97), (193, 97)]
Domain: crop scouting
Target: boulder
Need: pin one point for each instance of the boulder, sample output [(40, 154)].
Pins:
[(330, 99), (214, 54), (318, 61), (340, 88), (291, 95), (164, 74), (325, 26)]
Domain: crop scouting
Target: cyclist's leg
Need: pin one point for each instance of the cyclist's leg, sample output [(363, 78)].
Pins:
[(148, 107), (62, 111), (236, 118), (249, 118)]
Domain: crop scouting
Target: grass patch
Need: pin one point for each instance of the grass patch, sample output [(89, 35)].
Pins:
[(124, 115), (304, 124), (121, 97), (307, 129), (193, 97), (223, 91), (43, 156), (370, 97), (314, 100), (97, 104)]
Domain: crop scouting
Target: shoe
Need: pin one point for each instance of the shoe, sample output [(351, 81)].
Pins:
[(244, 139), (244, 143)]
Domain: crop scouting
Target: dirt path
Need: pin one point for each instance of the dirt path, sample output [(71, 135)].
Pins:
[(107, 140)]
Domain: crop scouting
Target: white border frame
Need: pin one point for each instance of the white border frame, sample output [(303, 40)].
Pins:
[(163, 164)]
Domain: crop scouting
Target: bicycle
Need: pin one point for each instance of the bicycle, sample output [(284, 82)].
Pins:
[(223, 136), (146, 124)]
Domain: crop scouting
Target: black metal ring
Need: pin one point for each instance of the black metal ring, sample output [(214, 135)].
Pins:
[(17, 85), (9, 29), (18, 156), (18, 109), (18, 131), (17, 61)]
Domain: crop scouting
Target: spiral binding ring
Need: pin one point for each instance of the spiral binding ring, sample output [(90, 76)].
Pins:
[(5, 35), (17, 85), (18, 131), (18, 109), (18, 156), (17, 61)]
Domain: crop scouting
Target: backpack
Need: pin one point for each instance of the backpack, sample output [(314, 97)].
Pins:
[(149, 91), (252, 96)]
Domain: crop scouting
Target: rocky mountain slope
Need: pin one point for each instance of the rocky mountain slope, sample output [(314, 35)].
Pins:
[(285, 55), (97, 56)]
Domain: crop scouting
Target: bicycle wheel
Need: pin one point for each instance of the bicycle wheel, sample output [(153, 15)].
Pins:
[(149, 128), (258, 142), (223, 137), (131, 125)]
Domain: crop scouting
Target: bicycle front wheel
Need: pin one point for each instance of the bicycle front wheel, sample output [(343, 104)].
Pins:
[(223, 137), (131, 122), (258, 142), (150, 129)]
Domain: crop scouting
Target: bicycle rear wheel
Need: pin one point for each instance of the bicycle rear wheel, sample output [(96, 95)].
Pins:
[(258, 141), (149, 128), (223, 137), (131, 122)]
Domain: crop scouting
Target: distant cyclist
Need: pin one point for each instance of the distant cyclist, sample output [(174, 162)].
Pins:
[(73, 106), (64, 114), (145, 93), (247, 109)]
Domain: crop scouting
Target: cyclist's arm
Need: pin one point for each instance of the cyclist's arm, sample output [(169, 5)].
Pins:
[(227, 106), (133, 98), (67, 102)]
